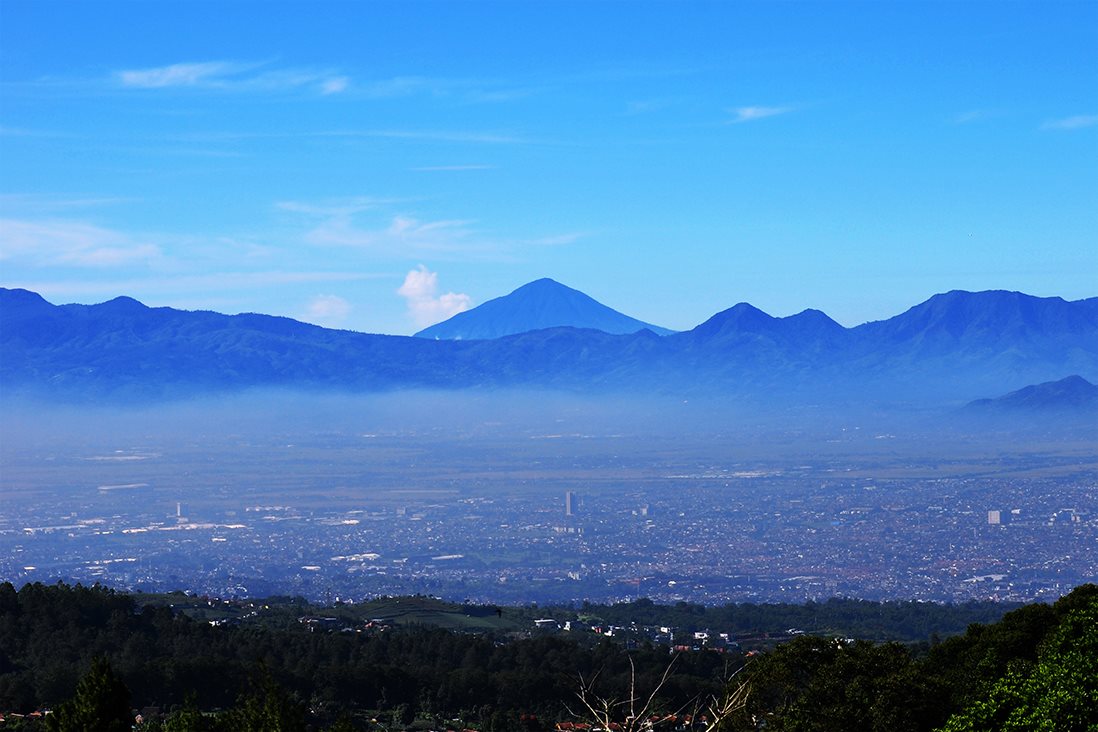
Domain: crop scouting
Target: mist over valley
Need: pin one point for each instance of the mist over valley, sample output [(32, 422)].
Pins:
[(516, 496)]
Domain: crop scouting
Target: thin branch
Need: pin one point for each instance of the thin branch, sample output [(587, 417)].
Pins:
[(663, 680)]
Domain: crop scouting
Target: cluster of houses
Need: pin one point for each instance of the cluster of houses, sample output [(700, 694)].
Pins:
[(330, 624), (13, 717), (658, 634)]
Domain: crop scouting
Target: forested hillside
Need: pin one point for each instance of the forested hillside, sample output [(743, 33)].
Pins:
[(94, 654)]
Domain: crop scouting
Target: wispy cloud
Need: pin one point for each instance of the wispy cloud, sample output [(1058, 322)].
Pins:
[(335, 85), (1076, 122), (450, 168), (71, 243), (645, 106), (378, 225), (232, 76), (558, 239), (243, 76), (186, 74), (24, 132), (750, 114), (329, 311), (425, 305), (490, 138), (192, 283), (21, 203), (341, 224), (458, 90), (402, 235), (973, 115), (414, 135), (341, 208)]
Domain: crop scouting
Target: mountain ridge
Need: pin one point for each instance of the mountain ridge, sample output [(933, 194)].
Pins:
[(1069, 394), (942, 350)]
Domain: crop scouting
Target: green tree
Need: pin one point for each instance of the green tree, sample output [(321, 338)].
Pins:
[(269, 708), (343, 724), (1058, 694), (187, 718), (825, 684), (101, 704)]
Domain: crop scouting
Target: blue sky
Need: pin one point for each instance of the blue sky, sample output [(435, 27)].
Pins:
[(378, 166)]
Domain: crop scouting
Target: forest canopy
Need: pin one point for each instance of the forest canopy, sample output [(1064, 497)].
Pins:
[(93, 653)]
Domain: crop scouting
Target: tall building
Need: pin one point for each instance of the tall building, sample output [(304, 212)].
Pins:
[(570, 504), (994, 518)]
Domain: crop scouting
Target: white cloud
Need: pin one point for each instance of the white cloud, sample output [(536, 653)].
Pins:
[(1077, 122), (403, 235), (73, 243), (369, 223), (187, 74), (202, 284), (231, 76), (749, 114), (329, 311), (345, 207), (25, 202), (558, 239), (425, 305), (334, 85)]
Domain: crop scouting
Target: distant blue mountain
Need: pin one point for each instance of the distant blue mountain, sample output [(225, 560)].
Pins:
[(1071, 394), (977, 338), (984, 319), (948, 349), (537, 305)]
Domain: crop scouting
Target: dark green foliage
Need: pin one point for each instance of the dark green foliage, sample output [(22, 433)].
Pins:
[(47, 633), (101, 704), (268, 708), (898, 621), (964, 666), (827, 684), (187, 718), (1036, 669), (1058, 693)]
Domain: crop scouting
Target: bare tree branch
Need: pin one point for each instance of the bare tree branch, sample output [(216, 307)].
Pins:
[(601, 712)]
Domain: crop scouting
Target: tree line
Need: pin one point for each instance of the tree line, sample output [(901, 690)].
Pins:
[(90, 653)]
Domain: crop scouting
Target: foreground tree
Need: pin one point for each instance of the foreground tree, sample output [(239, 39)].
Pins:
[(101, 704), (269, 708), (1058, 694)]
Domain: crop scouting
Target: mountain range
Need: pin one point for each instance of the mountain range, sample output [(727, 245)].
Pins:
[(951, 348)]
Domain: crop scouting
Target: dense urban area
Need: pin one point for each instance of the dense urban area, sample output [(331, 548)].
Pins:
[(536, 517)]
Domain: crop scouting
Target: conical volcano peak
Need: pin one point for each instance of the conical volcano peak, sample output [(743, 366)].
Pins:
[(543, 303)]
